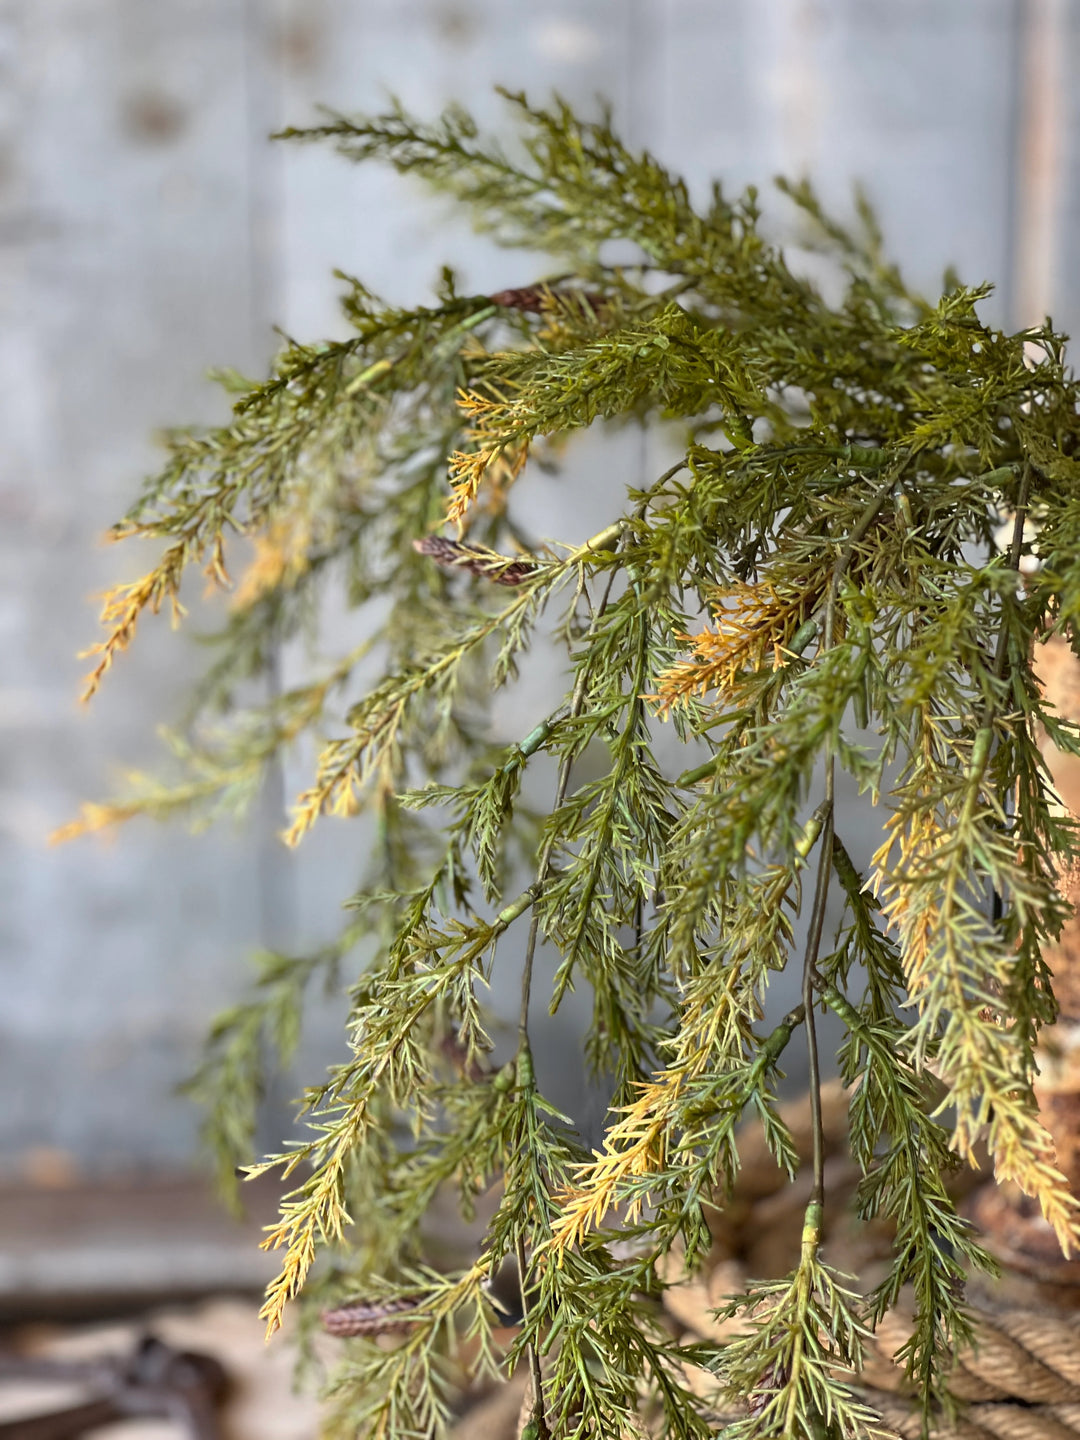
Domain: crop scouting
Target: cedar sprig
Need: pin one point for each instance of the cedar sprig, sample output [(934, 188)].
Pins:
[(813, 588)]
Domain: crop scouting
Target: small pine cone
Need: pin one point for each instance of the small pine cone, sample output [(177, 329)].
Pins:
[(499, 569), (529, 297), (773, 1381), (468, 1067), (370, 1317), (538, 298)]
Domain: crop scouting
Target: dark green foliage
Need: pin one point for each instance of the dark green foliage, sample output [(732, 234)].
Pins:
[(845, 466)]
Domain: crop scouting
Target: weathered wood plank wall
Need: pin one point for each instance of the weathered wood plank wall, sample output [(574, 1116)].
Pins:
[(148, 231)]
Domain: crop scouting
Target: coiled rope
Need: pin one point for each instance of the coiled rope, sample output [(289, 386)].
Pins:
[(1022, 1379)]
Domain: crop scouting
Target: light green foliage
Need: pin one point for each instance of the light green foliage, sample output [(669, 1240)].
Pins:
[(846, 463)]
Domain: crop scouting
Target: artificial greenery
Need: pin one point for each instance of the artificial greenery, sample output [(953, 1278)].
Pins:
[(813, 586)]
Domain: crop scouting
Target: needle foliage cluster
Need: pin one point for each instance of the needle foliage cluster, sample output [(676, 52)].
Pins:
[(813, 588)]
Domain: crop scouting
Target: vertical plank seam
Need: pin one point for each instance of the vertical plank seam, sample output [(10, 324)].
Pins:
[(274, 872), (1037, 158)]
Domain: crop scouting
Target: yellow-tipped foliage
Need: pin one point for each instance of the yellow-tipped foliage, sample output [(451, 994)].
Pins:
[(754, 626), (634, 1147), (922, 874), (123, 604), (842, 456)]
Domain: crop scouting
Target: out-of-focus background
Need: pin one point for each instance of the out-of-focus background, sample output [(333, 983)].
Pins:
[(148, 231)]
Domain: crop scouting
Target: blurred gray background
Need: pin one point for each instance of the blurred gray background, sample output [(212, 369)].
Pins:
[(149, 230)]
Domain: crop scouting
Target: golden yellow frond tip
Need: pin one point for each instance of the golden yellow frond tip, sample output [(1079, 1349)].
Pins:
[(92, 819)]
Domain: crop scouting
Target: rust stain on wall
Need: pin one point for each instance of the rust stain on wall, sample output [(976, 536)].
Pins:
[(153, 117)]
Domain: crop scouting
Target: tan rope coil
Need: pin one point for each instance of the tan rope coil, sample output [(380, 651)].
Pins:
[(1023, 1376), (1020, 1355), (1001, 1421), (1021, 1380)]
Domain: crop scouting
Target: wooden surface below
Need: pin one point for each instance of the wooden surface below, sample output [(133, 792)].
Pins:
[(95, 1249), (150, 230)]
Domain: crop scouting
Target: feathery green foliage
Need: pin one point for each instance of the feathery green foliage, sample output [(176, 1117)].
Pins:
[(845, 464)]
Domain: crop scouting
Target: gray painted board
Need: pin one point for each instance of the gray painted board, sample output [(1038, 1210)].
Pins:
[(148, 231)]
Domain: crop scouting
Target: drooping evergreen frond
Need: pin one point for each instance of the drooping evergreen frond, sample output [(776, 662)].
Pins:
[(812, 590)]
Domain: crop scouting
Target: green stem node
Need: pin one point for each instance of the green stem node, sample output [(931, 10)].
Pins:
[(516, 908)]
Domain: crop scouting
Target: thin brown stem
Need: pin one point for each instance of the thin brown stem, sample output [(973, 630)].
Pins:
[(543, 865), (1012, 559), (810, 977), (810, 981), (577, 700), (862, 529), (660, 480), (535, 1372), (543, 869)]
